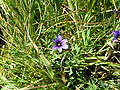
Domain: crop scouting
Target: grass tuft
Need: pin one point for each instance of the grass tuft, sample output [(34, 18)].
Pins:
[(27, 61)]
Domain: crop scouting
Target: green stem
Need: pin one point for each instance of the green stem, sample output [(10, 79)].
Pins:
[(114, 4)]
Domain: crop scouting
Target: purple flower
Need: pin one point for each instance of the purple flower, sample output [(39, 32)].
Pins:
[(59, 43), (114, 11), (116, 36)]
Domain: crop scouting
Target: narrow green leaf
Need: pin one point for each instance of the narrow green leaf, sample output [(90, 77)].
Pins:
[(47, 65)]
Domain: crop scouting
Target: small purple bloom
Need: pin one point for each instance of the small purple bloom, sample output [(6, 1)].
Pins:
[(114, 11), (59, 43), (116, 36)]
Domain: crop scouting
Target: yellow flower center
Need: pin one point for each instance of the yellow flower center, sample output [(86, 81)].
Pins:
[(118, 38), (58, 44)]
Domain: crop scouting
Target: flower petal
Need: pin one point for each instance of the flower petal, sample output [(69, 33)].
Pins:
[(119, 33), (63, 41), (59, 38), (115, 33), (65, 46), (60, 49), (115, 39), (54, 40), (54, 47)]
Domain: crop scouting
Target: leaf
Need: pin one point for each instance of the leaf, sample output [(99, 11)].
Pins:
[(47, 65)]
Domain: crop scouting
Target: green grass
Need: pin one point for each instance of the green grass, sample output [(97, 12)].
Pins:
[(27, 60)]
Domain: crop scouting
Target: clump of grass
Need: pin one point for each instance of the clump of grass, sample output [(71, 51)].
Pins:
[(27, 60)]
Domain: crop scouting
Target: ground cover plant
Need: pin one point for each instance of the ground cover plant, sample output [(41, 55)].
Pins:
[(60, 44)]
